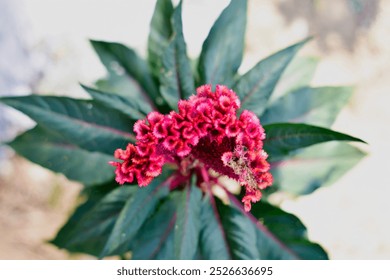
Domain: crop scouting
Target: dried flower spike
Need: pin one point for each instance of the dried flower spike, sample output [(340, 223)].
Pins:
[(204, 133)]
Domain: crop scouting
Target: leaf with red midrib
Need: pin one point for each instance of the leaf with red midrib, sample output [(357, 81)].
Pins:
[(260, 234), (84, 123), (282, 138), (187, 225), (135, 212), (154, 240)]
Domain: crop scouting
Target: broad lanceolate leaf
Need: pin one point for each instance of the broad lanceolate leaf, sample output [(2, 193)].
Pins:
[(121, 85), (275, 234), (222, 50), (256, 86), (88, 229), (306, 170), (160, 34), (187, 225), (176, 78), (213, 243), (240, 232), (283, 236), (317, 106), (127, 106), (154, 240), (298, 73), (120, 59), (84, 123), (283, 138), (53, 152), (135, 212)]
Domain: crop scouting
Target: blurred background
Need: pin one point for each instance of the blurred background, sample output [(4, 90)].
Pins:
[(44, 48)]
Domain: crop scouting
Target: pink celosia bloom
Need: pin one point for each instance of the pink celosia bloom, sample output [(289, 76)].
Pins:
[(205, 133)]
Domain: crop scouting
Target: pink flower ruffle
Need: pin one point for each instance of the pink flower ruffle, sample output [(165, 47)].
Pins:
[(205, 128)]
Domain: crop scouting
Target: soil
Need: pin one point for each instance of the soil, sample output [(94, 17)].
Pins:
[(34, 203)]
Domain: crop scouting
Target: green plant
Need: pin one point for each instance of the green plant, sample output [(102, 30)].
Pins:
[(179, 214)]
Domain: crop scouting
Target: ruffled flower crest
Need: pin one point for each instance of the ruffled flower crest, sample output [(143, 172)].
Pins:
[(205, 133)]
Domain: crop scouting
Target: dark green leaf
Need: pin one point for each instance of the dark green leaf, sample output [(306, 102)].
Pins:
[(291, 235), (306, 170), (187, 225), (176, 79), (283, 138), (249, 238), (84, 123), (89, 227), (255, 87), (136, 210), (212, 242), (155, 238), (99, 191), (317, 106), (222, 50), (120, 59), (278, 235), (51, 151), (127, 106), (298, 73), (240, 232), (123, 86), (160, 34)]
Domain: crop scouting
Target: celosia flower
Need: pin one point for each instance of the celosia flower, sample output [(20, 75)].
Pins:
[(205, 133)]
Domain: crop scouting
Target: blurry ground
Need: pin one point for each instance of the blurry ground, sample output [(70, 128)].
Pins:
[(33, 205), (47, 51)]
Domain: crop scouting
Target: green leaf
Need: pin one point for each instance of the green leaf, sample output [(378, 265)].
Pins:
[(84, 123), (222, 50), (283, 138), (120, 59), (284, 235), (99, 191), (135, 212), (240, 233), (255, 87), (127, 106), (212, 242), (317, 106), (89, 227), (187, 225), (269, 233), (298, 73), (160, 34), (176, 78), (51, 151), (155, 238), (306, 170), (122, 86)]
